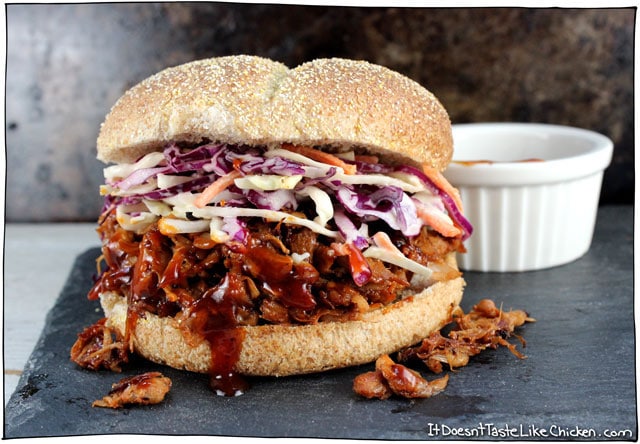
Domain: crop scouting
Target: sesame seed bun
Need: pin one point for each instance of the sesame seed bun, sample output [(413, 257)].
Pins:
[(333, 103)]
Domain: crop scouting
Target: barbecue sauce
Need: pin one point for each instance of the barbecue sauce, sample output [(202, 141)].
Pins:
[(143, 381), (150, 267), (214, 318), (113, 281), (289, 282), (491, 162), (115, 253), (214, 289)]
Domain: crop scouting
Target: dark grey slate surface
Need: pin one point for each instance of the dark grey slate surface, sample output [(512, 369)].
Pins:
[(579, 375)]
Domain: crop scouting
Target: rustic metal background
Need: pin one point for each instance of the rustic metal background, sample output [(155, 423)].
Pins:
[(67, 65)]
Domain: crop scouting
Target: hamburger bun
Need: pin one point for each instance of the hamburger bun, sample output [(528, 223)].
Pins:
[(255, 101), (283, 350), (331, 104)]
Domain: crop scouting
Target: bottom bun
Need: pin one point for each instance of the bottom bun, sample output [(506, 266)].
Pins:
[(281, 350)]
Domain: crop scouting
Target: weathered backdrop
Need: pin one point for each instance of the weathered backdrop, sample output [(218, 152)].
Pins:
[(67, 65)]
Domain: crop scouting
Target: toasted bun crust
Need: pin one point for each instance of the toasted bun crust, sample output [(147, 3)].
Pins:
[(333, 103), (281, 350)]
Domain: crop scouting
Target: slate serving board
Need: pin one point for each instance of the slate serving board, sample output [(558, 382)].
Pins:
[(578, 381)]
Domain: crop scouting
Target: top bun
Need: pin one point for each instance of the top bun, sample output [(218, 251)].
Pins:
[(334, 103)]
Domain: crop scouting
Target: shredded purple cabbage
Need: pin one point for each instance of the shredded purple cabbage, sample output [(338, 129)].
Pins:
[(395, 208), (348, 230), (361, 277), (272, 200), (195, 184), (273, 165), (372, 168), (206, 163), (452, 208), (139, 177), (236, 228)]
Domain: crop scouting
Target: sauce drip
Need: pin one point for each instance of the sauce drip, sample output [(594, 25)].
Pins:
[(214, 317), (215, 290)]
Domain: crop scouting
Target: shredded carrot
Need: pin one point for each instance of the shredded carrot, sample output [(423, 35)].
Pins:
[(382, 240), (441, 182), (358, 264), (439, 224), (321, 156), (340, 249), (367, 158), (221, 184)]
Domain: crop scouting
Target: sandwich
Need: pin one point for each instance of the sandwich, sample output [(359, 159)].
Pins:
[(266, 221)]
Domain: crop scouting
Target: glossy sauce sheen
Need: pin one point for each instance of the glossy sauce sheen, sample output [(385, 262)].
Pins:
[(142, 382), (214, 290), (213, 315), (280, 276)]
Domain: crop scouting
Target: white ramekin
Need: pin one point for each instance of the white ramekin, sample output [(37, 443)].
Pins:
[(527, 215)]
